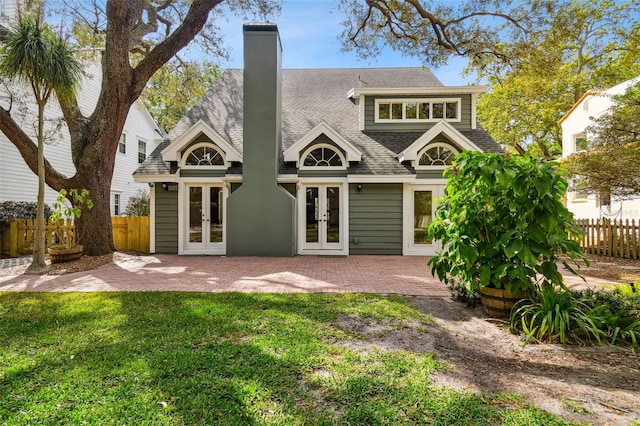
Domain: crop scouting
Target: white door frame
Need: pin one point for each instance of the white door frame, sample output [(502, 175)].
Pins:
[(341, 248), (184, 247), (408, 246)]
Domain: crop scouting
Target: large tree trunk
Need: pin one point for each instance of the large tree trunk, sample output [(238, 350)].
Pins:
[(93, 227), (94, 138)]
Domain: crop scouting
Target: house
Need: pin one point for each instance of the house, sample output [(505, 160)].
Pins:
[(574, 125), (140, 136), (274, 162)]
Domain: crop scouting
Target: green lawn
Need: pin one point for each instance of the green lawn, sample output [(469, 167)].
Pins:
[(236, 359)]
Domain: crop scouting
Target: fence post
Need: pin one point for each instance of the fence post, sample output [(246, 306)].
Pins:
[(14, 248)]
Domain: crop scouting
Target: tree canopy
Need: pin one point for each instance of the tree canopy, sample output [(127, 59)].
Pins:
[(176, 87), (538, 56), (611, 162)]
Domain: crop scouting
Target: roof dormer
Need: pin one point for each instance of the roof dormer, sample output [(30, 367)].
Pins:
[(313, 151)]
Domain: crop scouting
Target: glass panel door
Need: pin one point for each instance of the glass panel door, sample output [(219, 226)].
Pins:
[(205, 219), (420, 203), (332, 219), (312, 219), (196, 222), (323, 219), (422, 216), (215, 214)]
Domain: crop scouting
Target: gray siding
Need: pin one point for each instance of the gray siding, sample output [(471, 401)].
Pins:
[(291, 188), (369, 113), (429, 174), (202, 173), (375, 219), (322, 173), (166, 219)]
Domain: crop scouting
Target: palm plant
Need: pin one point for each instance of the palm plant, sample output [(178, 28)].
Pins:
[(34, 55)]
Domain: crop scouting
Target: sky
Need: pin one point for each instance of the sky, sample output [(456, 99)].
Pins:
[(309, 31)]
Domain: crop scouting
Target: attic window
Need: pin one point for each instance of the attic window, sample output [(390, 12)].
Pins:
[(322, 156), (417, 110), (203, 155), (436, 155)]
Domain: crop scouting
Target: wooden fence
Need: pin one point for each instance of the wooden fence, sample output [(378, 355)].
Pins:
[(615, 238), (129, 233)]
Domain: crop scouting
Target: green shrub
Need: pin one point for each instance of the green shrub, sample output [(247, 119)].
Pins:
[(461, 294), (618, 311), (502, 223), (19, 210), (138, 205), (555, 314)]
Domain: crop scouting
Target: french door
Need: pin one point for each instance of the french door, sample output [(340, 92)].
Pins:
[(420, 202), (323, 218), (204, 227)]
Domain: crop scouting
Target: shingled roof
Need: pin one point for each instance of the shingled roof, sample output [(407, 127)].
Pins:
[(310, 96)]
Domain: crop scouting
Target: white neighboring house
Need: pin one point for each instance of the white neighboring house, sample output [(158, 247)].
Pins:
[(140, 136), (574, 136)]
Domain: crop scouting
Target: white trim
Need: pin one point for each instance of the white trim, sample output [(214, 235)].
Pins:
[(173, 178), (474, 111), (304, 155), (361, 112), (288, 179), (408, 247), (405, 101), (344, 215), (152, 219), (433, 90), (411, 153), (192, 148), (172, 151), (293, 152), (450, 147)]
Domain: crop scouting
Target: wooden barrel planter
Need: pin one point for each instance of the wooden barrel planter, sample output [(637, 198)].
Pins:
[(498, 302), (64, 254)]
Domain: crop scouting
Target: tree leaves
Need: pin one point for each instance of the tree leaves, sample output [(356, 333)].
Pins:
[(501, 222)]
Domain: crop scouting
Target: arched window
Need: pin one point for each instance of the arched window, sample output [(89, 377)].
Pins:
[(203, 155), (437, 154), (322, 156)]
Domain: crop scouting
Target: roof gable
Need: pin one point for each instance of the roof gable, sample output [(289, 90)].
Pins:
[(293, 152), (442, 127), (173, 150)]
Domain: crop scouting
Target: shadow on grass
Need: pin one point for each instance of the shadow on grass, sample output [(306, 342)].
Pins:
[(182, 358)]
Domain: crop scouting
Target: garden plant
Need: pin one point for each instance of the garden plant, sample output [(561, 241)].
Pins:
[(502, 224), (69, 204)]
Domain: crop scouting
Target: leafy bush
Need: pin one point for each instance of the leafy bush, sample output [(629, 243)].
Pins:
[(459, 293), (618, 311), (138, 205), (555, 314), (69, 204), (19, 210), (502, 223)]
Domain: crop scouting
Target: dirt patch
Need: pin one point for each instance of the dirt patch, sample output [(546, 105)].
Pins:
[(599, 385), (613, 268)]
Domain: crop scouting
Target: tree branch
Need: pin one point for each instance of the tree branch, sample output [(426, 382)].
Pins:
[(163, 52), (29, 150)]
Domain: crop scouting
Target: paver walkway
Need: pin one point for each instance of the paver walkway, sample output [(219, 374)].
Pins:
[(407, 275), (350, 274)]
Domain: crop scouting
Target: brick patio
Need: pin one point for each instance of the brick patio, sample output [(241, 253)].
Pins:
[(351, 274)]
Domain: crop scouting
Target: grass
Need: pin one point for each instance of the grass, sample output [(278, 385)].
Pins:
[(229, 359)]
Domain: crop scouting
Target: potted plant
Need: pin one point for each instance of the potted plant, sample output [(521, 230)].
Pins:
[(503, 228), (68, 204)]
